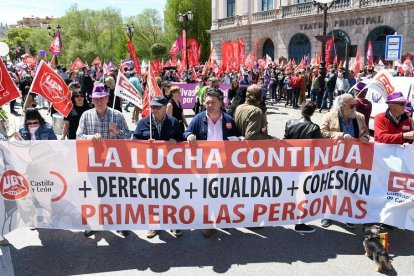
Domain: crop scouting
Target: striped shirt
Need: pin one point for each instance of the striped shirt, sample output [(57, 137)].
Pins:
[(91, 124)]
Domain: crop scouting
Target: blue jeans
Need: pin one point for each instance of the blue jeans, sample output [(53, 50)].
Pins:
[(314, 95), (328, 94)]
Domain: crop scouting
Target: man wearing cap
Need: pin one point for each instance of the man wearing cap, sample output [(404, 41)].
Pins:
[(394, 126), (344, 122), (162, 128)]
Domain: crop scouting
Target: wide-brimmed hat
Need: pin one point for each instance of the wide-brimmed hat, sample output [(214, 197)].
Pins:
[(360, 86), (408, 107), (99, 92), (395, 97), (158, 101)]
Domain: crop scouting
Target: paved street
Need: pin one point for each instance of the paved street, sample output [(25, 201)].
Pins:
[(269, 251)]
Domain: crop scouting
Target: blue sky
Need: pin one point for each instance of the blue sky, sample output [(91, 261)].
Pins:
[(13, 10)]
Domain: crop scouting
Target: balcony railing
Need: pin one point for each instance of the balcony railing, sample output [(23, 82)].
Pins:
[(228, 21), (376, 3), (302, 10), (264, 16)]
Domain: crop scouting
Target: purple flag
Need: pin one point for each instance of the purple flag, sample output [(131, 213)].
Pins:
[(177, 46)]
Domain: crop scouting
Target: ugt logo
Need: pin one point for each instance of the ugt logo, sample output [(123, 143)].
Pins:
[(13, 185)]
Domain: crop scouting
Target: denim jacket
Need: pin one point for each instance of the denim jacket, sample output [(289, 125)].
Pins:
[(44, 132)]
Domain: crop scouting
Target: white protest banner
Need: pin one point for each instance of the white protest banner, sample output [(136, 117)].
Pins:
[(127, 91), (137, 185)]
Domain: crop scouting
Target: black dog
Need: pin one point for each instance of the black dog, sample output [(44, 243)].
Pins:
[(375, 249)]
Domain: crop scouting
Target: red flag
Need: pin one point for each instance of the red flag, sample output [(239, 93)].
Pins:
[(156, 66), (293, 62), (370, 54), (357, 67), (134, 57), (328, 51), (300, 66), (97, 61), (193, 52), (241, 45), (29, 61), (227, 54), (77, 64), (184, 53), (211, 52), (8, 90), (151, 90), (249, 62), (51, 86)]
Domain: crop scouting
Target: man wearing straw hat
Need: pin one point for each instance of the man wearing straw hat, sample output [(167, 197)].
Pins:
[(102, 122)]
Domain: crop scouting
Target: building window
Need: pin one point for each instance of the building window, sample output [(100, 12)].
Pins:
[(378, 38), (299, 46), (304, 1), (231, 8), (267, 5), (269, 48)]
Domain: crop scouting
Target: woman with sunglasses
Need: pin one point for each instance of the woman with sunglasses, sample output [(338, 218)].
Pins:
[(35, 127), (71, 122)]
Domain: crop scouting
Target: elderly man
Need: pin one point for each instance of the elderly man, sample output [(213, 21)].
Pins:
[(344, 122), (250, 118), (394, 126), (102, 122), (212, 125), (164, 128)]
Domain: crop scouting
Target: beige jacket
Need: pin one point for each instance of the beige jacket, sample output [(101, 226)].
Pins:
[(331, 127)]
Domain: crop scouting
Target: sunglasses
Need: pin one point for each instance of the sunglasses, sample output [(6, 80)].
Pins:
[(156, 107), (78, 96), (32, 123)]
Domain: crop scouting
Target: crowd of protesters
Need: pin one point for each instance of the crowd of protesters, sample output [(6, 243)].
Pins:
[(244, 116)]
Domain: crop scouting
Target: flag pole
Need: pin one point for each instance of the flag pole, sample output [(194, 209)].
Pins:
[(113, 104), (149, 82)]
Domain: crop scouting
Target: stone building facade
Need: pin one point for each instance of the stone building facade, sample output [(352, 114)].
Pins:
[(287, 28)]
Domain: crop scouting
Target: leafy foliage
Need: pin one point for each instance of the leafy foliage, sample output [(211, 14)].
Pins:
[(197, 28)]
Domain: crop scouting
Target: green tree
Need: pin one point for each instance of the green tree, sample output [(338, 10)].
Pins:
[(16, 39), (148, 31), (197, 28)]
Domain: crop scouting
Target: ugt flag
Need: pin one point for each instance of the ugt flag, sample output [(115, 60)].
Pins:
[(51, 86), (127, 91), (8, 90), (56, 44)]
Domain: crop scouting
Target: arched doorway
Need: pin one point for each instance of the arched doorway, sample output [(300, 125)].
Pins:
[(269, 49), (340, 42), (378, 39), (299, 46)]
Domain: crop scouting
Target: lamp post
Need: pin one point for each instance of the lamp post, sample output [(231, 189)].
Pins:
[(185, 19), (324, 5), (130, 31), (52, 33)]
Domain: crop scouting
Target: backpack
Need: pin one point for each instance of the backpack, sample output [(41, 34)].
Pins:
[(295, 82)]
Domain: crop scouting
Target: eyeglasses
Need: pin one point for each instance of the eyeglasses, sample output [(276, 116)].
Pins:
[(156, 107), (32, 123), (78, 96)]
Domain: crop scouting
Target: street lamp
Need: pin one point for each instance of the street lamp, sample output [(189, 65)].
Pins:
[(130, 31), (324, 5), (185, 19), (52, 33)]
